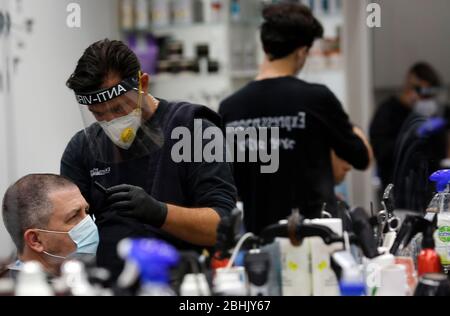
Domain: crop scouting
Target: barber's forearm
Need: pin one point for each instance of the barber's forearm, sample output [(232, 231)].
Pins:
[(196, 226), (366, 142)]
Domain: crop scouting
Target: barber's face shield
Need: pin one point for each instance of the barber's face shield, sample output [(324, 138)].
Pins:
[(118, 122)]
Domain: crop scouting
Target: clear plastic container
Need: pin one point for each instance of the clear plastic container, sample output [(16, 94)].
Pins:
[(440, 202), (440, 205)]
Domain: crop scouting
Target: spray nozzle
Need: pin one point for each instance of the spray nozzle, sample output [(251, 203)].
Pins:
[(442, 179), (151, 259), (412, 225)]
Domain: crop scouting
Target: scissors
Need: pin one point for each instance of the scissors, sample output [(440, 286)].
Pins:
[(386, 219)]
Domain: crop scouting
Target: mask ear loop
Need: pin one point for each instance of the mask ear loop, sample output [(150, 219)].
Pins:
[(140, 92), (52, 232)]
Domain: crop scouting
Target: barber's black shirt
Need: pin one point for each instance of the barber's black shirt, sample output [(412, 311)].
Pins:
[(312, 122), (186, 184)]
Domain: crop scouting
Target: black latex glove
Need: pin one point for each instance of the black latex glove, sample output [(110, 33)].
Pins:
[(134, 202)]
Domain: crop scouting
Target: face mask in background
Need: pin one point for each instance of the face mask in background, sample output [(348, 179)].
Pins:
[(426, 107), (84, 235), (122, 131)]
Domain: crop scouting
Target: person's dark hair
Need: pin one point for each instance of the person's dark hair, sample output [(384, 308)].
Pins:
[(26, 204), (426, 72), (287, 27), (100, 60)]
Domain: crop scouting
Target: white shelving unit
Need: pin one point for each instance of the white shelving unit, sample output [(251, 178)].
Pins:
[(232, 43), (210, 88)]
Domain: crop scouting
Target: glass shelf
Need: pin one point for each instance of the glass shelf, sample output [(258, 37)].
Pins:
[(167, 77), (193, 26)]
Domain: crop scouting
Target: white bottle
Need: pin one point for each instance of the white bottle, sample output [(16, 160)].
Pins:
[(207, 11), (442, 239), (155, 289), (160, 13), (76, 279), (32, 281), (183, 12), (324, 280), (372, 272), (231, 282), (218, 10), (295, 268), (440, 204), (142, 14), (393, 281), (195, 284), (127, 14)]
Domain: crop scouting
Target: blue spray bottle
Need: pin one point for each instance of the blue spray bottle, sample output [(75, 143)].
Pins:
[(150, 260)]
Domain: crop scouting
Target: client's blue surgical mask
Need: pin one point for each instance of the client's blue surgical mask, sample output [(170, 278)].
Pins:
[(84, 235)]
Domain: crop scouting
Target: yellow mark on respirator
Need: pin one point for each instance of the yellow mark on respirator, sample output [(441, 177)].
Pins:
[(127, 135)]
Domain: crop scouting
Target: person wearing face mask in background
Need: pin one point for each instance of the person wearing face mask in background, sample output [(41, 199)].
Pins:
[(417, 96), (46, 217), (311, 122), (421, 149), (125, 161)]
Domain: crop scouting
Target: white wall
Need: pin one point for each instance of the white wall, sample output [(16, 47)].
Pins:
[(45, 112), (42, 113), (412, 30), (358, 57), (5, 245)]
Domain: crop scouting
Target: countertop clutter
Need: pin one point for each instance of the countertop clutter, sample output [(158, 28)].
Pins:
[(390, 253)]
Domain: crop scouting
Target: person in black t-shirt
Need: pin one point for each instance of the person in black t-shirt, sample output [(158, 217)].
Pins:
[(310, 119), (123, 163), (392, 114)]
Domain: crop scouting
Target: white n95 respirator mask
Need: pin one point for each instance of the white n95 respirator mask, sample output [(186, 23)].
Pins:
[(122, 131), (426, 107)]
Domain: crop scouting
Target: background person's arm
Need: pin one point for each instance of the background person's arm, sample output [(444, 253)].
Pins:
[(358, 132), (341, 133), (383, 135)]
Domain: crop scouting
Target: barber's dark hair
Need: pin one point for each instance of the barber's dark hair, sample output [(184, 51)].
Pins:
[(26, 204), (426, 72), (287, 27), (100, 60)]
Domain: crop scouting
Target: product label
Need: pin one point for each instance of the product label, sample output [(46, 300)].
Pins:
[(444, 234), (442, 239)]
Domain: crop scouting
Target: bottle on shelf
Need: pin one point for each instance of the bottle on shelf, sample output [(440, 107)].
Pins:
[(160, 13), (142, 15), (126, 15), (187, 12), (235, 10), (217, 11)]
